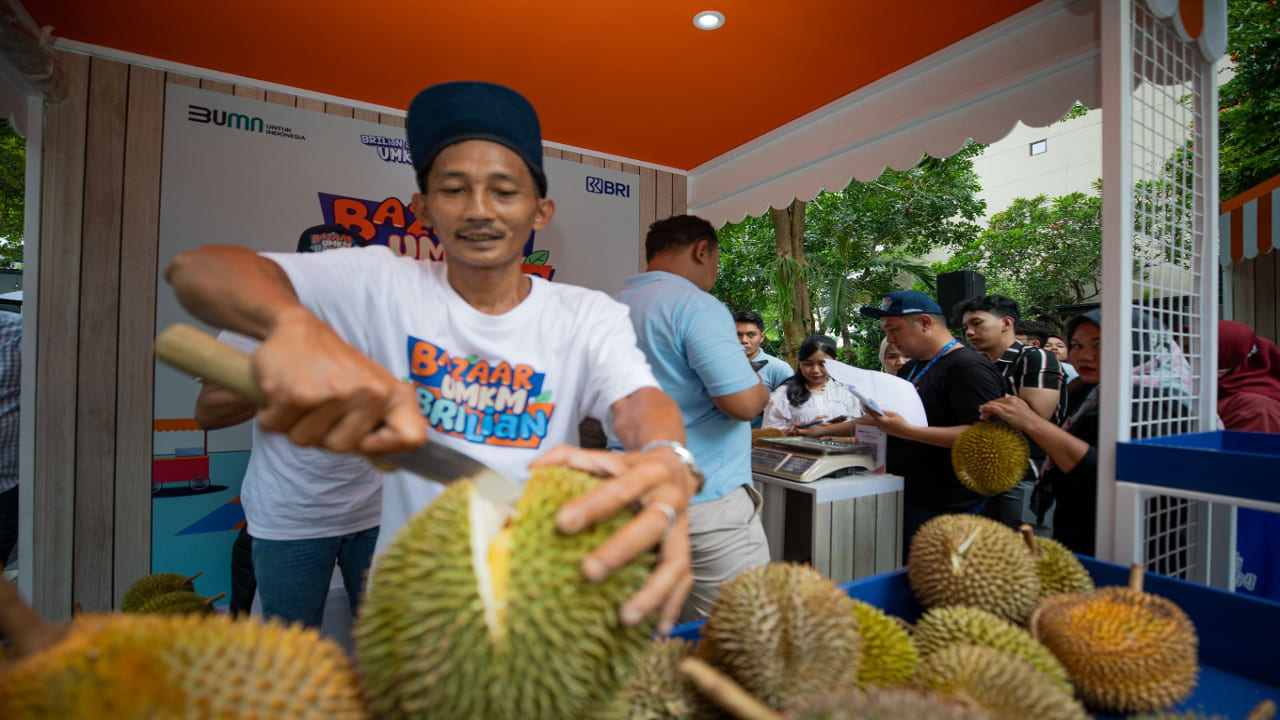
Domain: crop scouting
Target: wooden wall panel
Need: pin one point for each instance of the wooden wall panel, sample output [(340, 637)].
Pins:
[(180, 79), (140, 235), (281, 99), (648, 208), (679, 195), (98, 343), (61, 221), (248, 92), (391, 120), (217, 86), (365, 115), (662, 196)]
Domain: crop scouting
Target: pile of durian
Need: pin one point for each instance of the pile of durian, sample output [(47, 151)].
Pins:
[(480, 611)]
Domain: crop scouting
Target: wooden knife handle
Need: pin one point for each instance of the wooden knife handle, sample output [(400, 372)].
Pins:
[(200, 354)]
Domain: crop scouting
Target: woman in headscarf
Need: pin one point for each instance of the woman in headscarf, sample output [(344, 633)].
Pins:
[(1249, 399), (1248, 379), (1069, 476), (809, 395)]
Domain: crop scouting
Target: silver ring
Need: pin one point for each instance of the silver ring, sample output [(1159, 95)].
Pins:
[(667, 510)]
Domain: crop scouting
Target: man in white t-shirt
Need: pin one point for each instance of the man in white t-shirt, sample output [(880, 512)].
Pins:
[(360, 347), (307, 508)]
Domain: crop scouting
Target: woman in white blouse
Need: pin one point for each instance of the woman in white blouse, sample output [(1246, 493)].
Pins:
[(810, 395)]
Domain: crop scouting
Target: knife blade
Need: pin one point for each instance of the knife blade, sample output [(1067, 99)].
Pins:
[(200, 354)]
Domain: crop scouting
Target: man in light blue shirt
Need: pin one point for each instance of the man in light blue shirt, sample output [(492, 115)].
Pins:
[(772, 371), (688, 338)]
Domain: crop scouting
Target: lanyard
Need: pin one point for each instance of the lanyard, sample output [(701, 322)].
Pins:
[(915, 377)]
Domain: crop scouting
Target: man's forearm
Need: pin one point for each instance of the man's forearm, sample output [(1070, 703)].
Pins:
[(939, 436), (647, 414), (232, 287)]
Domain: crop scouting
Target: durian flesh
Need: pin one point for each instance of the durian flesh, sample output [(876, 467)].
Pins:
[(477, 611)]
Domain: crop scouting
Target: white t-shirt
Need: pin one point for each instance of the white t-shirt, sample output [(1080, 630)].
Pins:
[(501, 388), (302, 493), (830, 401)]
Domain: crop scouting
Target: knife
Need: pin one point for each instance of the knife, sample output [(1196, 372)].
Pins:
[(200, 354)]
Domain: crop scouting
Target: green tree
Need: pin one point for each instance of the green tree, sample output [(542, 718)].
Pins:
[(1040, 252), (1249, 103), (13, 164), (857, 244)]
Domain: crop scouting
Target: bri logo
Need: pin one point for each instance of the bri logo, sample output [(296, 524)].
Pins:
[(600, 186), (195, 113)]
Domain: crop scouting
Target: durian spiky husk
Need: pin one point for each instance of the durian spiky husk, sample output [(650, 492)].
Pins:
[(153, 586), (941, 627), (186, 666), (877, 703), (1060, 571), (784, 632), (1126, 651), (657, 690), (990, 457), (889, 657), (176, 603), (966, 559), (431, 643), (1004, 684)]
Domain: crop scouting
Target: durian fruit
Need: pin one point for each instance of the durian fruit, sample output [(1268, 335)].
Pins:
[(657, 690), (153, 586), (880, 703), (179, 603), (945, 626), (966, 559), (481, 611), (114, 666), (889, 657), (1126, 651), (990, 457), (784, 632), (1006, 685), (1060, 570)]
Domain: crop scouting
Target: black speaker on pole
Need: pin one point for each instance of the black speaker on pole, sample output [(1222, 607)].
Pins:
[(956, 286)]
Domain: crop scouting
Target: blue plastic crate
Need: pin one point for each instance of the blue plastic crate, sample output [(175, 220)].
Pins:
[(1239, 635), (1226, 462)]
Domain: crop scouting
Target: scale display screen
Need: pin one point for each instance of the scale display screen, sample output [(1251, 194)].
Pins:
[(766, 460), (796, 465)]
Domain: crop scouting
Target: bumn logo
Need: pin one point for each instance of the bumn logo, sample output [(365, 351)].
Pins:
[(239, 121), (600, 186)]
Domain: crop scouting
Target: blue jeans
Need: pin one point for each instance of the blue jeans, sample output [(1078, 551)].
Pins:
[(293, 575), (913, 516)]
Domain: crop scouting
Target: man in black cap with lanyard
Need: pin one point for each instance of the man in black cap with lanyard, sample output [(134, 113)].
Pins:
[(500, 365), (953, 381)]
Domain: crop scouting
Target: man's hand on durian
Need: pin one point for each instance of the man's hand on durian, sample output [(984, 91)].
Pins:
[(660, 485)]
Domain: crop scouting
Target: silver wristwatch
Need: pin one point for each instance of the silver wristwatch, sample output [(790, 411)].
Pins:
[(681, 452)]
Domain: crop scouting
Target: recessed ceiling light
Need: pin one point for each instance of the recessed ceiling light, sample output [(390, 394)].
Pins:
[(708, 20)]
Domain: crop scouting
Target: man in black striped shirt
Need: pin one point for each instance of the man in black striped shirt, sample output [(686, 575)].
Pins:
[(1033, 374)]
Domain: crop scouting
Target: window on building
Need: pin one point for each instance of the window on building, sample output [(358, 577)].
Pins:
[(1039, 147)]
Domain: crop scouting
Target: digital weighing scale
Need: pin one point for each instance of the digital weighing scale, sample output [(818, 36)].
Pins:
[(805, 459)]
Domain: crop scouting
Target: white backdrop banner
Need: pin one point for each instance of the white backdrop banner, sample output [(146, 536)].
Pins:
[(247, 172)]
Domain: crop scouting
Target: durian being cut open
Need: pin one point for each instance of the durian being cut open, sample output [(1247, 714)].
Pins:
[(481, 610)]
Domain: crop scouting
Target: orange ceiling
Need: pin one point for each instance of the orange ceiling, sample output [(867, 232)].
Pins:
[(632, 78)]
